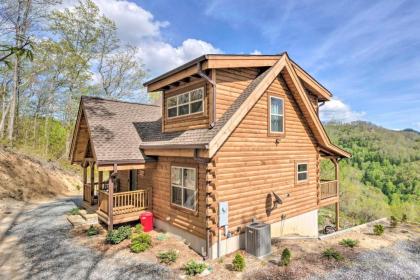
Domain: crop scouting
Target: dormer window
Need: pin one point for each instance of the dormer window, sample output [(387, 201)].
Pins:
[(187, 103)]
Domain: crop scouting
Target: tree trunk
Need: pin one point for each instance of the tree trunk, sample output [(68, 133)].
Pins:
[(3, 119), (15, 90)]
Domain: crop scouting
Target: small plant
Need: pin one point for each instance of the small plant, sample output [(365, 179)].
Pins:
[(92, 230), (393, 222), (378, 229), (404, 218), (221, 260), (74, 211), (140, 242), (193, 268), (168, 257), (348, 242), (138, 228), (117, 235), (238, 263), (78, 187), (285, 257), (332, 253)]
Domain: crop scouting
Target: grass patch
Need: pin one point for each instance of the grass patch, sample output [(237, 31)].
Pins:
[(332, 253), (193, 268), (393, 221), (115, 236), (92, 230), (140, 242), (138, 228), (285, 257), (348, 242), (238, 263), (74, 211), (168, 257), (378, 229)]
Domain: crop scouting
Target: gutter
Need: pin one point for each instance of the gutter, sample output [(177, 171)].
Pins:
[(213, 86), (173, 146)]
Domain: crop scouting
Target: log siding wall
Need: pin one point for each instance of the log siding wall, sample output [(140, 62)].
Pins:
[(250, 165)]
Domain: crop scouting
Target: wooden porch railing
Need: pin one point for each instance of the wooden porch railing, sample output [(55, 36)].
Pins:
[(328, 189), (133, 199), (87, 191)]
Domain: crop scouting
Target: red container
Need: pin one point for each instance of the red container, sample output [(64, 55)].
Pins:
[(146, 220)]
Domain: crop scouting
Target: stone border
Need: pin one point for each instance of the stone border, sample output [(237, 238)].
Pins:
[(322, 237)]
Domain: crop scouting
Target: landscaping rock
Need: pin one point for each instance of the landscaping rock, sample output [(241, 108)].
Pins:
[(90, 219), (76, 220)]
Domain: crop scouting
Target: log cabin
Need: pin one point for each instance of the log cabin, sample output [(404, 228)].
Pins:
[(238, 133)]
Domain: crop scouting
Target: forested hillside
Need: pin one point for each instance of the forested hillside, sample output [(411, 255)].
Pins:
[(383, 176)]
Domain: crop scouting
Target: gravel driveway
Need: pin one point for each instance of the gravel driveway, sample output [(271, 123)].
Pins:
[(35, 244)]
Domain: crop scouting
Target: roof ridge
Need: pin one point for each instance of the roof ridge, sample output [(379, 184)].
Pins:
[(115, 100)]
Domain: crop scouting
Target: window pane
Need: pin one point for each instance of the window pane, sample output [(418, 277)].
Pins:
[(302, 167), (189, 198), (276, 106), (184, 110), (302, 176), (197, 94), (276, 123), (172, 101), (197, 107), (189, 178), (177, 195), (183, 98), (172, 112), (176, 176)]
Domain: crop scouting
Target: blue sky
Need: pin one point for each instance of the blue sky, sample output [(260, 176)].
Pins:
[(367, 53)]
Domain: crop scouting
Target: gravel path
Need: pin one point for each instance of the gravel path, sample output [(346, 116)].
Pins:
[(36, 245), (401, 261)]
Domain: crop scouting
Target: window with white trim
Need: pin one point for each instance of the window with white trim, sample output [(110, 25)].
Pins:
[(276, 114), (184, 187), (302, 172), (187, 103)]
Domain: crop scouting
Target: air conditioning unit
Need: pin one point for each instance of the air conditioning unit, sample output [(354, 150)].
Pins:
[(258, 239)]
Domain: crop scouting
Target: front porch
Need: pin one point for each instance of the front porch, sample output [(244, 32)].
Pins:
[(110, 198)]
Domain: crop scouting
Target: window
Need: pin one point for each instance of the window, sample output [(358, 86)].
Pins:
[(186, 103), (183, 187), (302, 172), (276, 115)]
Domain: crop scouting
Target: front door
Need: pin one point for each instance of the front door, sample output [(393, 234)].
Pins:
[(133, 180)]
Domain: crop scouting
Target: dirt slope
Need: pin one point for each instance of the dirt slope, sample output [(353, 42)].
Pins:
[(28, 179)]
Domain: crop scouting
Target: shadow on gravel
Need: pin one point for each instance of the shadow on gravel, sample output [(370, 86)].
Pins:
[(44, 236)]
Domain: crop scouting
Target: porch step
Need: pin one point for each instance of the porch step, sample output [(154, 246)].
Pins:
[(83, 219)]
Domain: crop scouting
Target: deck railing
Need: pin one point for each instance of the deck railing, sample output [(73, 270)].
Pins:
[(87, 192), (132, 199), (329, 189)]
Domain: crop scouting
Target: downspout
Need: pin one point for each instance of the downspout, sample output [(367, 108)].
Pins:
[(213, 85)]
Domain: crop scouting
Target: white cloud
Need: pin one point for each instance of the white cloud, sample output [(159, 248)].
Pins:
[(256, 52), (417, 125), (336, 110)]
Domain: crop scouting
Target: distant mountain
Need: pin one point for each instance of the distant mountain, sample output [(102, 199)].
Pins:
[(411, 130)]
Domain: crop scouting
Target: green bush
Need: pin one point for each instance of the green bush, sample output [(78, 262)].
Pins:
[(117, 235), (168, 257), (393, 221), (193, 268), (349, 242), (404, 218), (92, 230), (238, 263), (74, 211), (140, 242), (285, 257), (331, 253), (378, 229), (138, 228)]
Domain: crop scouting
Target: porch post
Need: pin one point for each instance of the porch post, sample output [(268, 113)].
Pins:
[(100, 180), (337, 204), (84, 179), (110, 198), (92, 182)]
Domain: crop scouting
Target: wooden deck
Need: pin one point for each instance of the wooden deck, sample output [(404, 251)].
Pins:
[(329, 193)]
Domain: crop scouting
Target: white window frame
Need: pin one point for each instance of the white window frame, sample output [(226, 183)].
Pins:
[(300, 172), (189, 103), (280, 115), (183, 187)]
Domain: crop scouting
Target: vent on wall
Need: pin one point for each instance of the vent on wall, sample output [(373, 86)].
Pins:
[(258, 239)]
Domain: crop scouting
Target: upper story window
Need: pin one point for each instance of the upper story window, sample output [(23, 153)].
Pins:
[(184, 187), (187, 103), (276, 115), (302, 172)]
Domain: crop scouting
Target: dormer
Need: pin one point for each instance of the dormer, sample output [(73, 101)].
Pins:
[(198, 93)]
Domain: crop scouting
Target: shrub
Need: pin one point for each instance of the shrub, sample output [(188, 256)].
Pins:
[(378, 229), (92, 231), (193, 268), (74, 211), (404, 218), (331, 253), (117, 235), (168, 257), (285, 257), (238, 262), (393, 221), (348, 242), (138, 228), (140, 242)]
